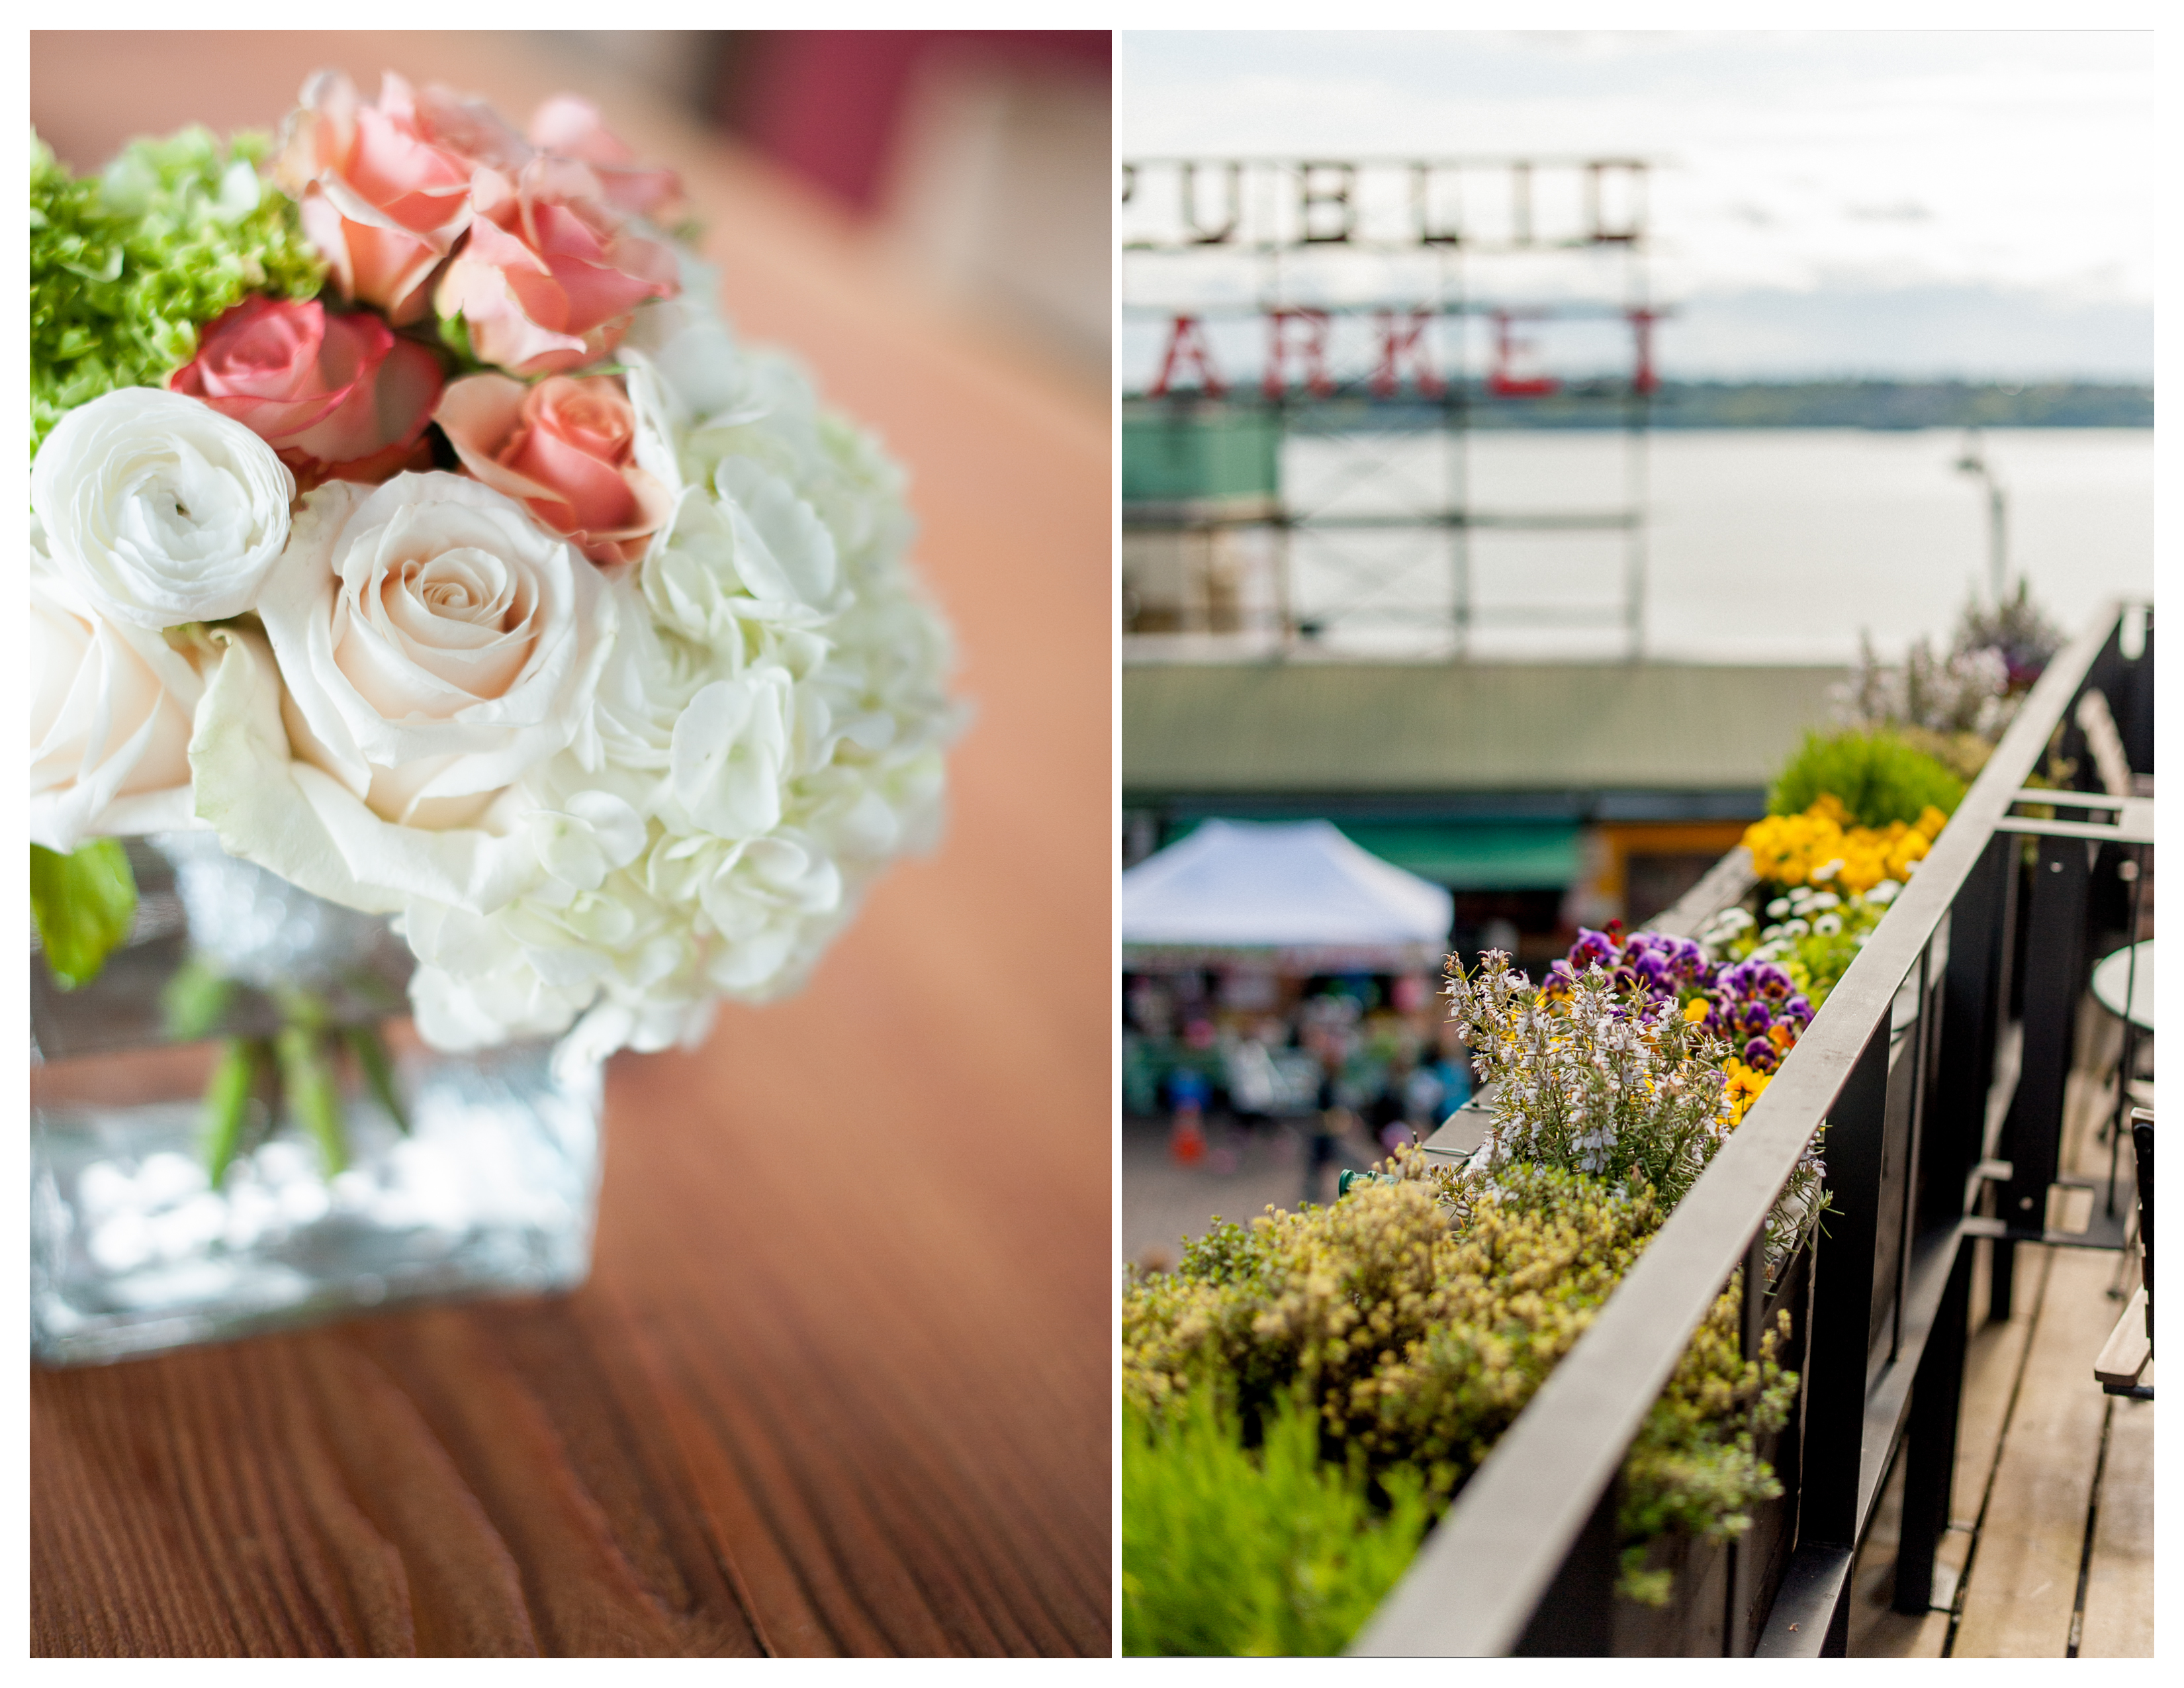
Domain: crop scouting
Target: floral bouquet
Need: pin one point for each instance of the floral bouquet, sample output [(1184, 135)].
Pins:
[(406, 524)]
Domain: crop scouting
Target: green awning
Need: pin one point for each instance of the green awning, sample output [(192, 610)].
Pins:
[(1498, 856), (1191, 455)]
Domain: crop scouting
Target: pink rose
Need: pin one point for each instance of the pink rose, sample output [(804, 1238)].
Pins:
[(547, 280), (336, 396), (381, 198), (570, 128), (566, 447)]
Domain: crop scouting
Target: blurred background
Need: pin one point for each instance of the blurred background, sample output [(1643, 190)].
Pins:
[(982, 153)]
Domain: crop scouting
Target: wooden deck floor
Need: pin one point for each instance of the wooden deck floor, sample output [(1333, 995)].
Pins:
[(2052, 1551)]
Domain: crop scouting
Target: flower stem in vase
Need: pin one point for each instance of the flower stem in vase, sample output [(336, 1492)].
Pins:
[(370, 1051), (243, 1062), (307, 1080), (196, 1000)]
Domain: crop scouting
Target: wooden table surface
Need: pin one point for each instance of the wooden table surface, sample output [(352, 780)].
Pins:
[(840, 1381)]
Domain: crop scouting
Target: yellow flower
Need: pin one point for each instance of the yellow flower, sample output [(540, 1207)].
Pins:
[(1695, 1009), (1743, 1088), (1788, 849)]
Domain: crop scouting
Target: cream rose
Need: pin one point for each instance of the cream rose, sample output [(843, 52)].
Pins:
[(436, 643), (110, 712), (157, 510)]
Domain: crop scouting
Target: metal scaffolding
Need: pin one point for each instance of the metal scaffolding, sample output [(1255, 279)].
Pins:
[(1380, 352)]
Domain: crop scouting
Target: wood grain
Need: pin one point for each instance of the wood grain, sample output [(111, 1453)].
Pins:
[(2023, 1578), (840, 1381), (2119, 1621)]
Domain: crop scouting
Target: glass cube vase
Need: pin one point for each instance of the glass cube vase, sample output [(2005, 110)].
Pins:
[(418, 1174)]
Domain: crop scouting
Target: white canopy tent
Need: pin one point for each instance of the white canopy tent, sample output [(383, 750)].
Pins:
[(1298, 894)]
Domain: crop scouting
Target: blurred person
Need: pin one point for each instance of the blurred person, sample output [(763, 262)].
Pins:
[(1396, 1112), (1329, 1034), (1451, 1065), (1188, 1092)]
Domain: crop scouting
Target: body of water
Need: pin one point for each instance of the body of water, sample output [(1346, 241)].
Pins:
[(1760, 545)]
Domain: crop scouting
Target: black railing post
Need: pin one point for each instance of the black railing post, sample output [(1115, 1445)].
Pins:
[(2055, 980), (2138, 707), (1929, 1443), (1844, 1292), (1974, 1012)]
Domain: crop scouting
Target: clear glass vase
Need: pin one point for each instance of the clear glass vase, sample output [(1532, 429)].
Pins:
[(235, 1128)]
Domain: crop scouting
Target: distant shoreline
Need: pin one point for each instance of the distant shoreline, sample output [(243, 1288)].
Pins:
[(1887, 406)]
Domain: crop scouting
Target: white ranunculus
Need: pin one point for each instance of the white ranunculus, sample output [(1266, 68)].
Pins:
[(436, 643), (110, 713), (159, 509)]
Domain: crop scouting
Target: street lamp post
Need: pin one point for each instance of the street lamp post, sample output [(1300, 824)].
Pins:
[(1973, 461)]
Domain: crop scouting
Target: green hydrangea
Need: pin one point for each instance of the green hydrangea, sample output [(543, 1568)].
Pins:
[(126, 266)]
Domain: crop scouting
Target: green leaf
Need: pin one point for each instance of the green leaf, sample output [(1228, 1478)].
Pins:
[(83, 902)]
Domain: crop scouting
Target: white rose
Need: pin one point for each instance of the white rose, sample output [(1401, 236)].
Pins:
[(436, 644), (159, 509), (110, 713)]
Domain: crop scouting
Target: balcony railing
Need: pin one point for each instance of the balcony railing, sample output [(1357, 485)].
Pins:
[(1937, 1067)]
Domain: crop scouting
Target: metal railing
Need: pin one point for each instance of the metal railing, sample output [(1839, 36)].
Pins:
[(1924, 1070)]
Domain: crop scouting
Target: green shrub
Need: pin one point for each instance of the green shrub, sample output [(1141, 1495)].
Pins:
[(1234, 1553), (1419, 1344), (1876, 776)]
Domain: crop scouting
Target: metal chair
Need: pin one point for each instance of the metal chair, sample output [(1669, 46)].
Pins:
[(2129, 1350)]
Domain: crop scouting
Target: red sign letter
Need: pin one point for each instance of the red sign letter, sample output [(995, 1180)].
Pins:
[(1395, 343), (1186, 344), (1502, 380), (1315, 378), (1642, 378)]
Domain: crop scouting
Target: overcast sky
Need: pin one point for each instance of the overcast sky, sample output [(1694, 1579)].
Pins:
[(1909, 202)]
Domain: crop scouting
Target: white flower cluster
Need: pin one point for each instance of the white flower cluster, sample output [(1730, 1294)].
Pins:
[(1610, 1085), (1592, 1080), (596, 798), (767, 735), (1734, 934), (1963, 691)]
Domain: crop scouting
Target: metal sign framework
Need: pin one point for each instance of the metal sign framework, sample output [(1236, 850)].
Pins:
[(1359, 273)]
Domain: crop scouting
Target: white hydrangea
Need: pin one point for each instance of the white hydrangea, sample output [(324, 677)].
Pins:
[(767, 735)]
